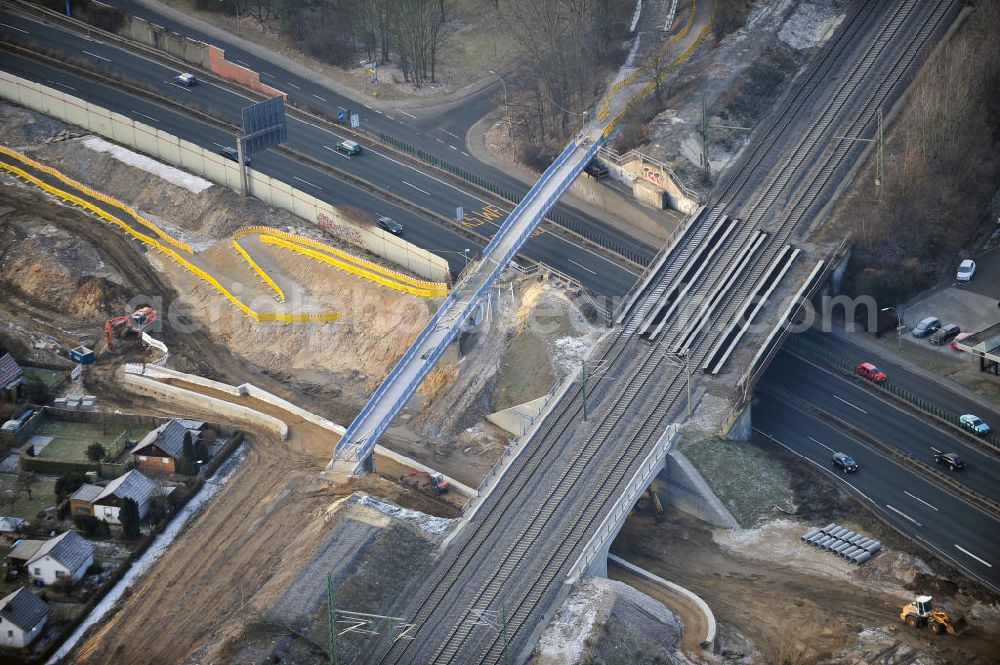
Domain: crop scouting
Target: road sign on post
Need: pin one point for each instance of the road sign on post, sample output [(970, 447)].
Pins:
[(355, 120), (459, 213), (263, 127)]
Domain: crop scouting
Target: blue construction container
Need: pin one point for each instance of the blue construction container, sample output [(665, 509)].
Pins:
[(82, 355)]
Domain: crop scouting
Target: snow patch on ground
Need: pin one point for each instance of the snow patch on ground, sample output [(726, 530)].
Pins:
[(810, 25), (569, 351), (564, 638), (188, 181), (423, 521)]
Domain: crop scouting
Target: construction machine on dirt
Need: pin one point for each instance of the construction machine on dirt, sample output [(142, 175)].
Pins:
[(437, 483), (921, 613), (138, 322)]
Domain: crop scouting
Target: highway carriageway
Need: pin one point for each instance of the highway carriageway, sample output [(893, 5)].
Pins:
[(439, 129), (960, 533), (848, 400), (933, 389), (569, 255)]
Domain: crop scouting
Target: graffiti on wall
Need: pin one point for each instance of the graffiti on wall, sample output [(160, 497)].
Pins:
[(342, 231), (653, 175)]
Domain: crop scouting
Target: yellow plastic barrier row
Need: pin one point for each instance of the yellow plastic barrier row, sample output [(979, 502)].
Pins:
[(260, 271), (649, 86), (97, 195), (628, 80), (153, 242), (440, 287), (343, 265)]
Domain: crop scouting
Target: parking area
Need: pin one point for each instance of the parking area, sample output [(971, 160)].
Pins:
[(986, 281), (971, 310)]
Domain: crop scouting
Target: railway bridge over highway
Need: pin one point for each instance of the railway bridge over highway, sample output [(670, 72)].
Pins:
[(549, 509)]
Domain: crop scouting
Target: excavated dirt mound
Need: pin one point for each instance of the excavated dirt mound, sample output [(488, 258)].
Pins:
[(43, 262), (781, 605)]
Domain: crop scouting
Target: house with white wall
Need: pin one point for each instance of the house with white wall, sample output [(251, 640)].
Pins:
[(65, 557), (22, 617), (133, 485)]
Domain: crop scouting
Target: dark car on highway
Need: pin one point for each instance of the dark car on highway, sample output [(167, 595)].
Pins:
[(945, 334), (844, 462), (231, 154), (390, 225), (927, 326), (950, 460)]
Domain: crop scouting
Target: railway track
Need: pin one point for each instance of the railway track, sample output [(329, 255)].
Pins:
[(481, 571)]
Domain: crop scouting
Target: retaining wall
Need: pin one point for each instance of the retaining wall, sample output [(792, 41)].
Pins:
[(220, 409), (687, 490), (211, 166)]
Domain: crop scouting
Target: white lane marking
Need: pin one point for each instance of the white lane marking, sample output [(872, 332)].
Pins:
[(450, 134), (929, 505), (439, 140), (416, 188), (379, 112), (13, 28), (99, 57), (293, 85), (182, 87), (453, 148), (850, 405), (902, 514), (590, 252), (336, 152), (821, 467), (409, 115), (322, 99), (307, 182), (146, 116), (389, 116), (583, 266), (466, 154), (935, 449), (267, 73), (822, 444), (62, 85), (982, 561), (242, 63)]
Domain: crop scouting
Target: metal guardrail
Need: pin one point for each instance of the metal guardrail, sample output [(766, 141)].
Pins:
[(623, 506)]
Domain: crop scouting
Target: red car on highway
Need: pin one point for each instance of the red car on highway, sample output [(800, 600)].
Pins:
[(870, 372)]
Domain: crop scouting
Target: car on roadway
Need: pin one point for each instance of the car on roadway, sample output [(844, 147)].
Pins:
[(349, 147), (950, 460), (596, 169), (966, 269), (844, 462), (232, 155), (390, 225), (927, 326), (945, 334), (974, 424), (185, 79), (959, 338), (870, 372)]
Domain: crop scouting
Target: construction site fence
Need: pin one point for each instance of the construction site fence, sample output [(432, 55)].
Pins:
[(339, 259), (562, 220), (206, 163), (171, 253)]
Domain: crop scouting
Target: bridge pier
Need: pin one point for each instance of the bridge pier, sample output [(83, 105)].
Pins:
[(686, 490), (742, 427)]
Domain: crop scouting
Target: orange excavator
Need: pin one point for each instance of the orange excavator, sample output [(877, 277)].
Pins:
[(139, 321), (437, 482)]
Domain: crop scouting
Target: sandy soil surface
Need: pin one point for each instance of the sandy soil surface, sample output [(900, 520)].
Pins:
[(801, 609), (694, 622)]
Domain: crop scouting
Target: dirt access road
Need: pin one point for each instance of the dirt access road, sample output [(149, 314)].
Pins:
[(793, 615)]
